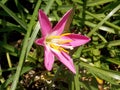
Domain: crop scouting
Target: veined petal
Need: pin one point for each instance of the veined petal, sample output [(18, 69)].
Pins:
[(66, 60), (44, 23), (48, 58), (77, 39), (58, 29), (40, 41)]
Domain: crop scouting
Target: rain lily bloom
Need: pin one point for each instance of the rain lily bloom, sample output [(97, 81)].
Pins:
[(57, 44)]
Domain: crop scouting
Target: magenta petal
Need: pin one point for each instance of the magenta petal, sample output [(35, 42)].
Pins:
[(66, 60), (77, 39), (40, 41), (61, 24), (48, 59), (44, 23)]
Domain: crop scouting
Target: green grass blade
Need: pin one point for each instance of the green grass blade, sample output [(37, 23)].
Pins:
[(103, 21), (25, 44), (8, 47), (108, 75), (49, 4), (103, 28), (114, 60), (76, 78), (4, 1), (98, 2), (106, 22), (12, 14), (102, 45)]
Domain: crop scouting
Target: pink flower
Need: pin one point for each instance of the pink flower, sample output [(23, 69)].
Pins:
[(57, 44)]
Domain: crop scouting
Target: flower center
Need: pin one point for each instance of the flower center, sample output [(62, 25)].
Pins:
[(57, 43)]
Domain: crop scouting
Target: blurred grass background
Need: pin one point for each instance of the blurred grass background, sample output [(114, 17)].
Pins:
[(97, 63)]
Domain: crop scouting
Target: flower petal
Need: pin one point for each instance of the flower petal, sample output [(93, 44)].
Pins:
[(48, 59), (77, 39), (58, 29), (44, 23), (66, 60), (40, 41)]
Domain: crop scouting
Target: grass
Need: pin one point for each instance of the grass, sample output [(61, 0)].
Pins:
[(21, 60)]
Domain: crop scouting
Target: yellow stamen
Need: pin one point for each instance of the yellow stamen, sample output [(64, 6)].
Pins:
[(62, 49), (64, 41), (56, 37), (65, 34), (58, 48), (54, 46), (60, 41)]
